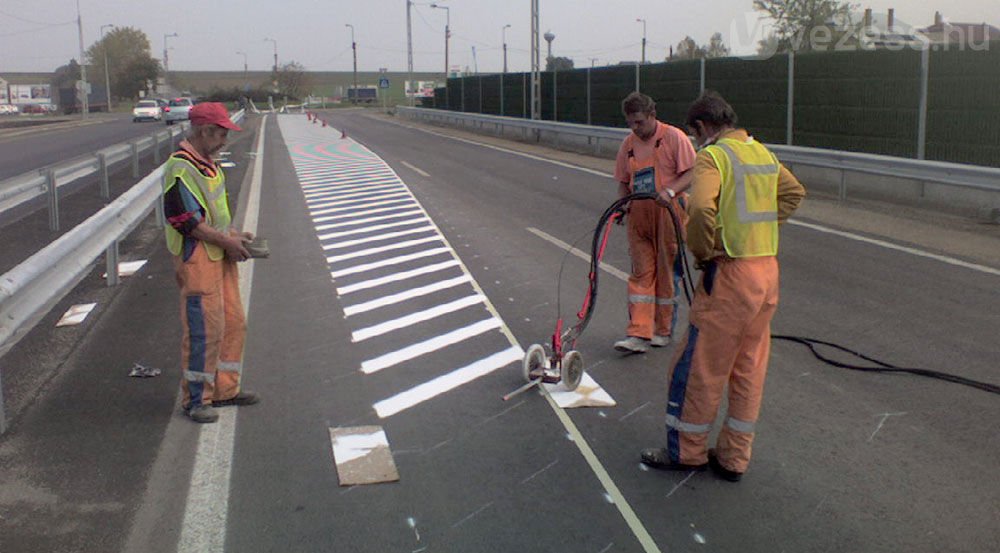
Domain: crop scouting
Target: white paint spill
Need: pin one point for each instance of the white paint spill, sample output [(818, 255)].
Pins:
[(570, 437), (588, 394), (643, 467), (699, 538), (128, 268), (602, 414), (354, 446), (76, 314), (608, 498)]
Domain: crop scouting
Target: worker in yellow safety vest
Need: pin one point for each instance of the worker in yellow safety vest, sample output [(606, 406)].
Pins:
[(206, 249), (739, 195)]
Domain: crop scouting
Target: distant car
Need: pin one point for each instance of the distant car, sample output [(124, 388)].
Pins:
[(177, 110), (161, 102), (34, 108), (8, 109), (147, 110)]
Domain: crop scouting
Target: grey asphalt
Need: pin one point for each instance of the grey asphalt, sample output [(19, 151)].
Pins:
[(843, 461)]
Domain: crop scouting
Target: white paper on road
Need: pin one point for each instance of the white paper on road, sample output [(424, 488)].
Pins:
[(76, 314), (362, 455), (128, 268), (588, 394)]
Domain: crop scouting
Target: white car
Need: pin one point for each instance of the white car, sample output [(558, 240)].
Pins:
[(8, 109), (147, 110)]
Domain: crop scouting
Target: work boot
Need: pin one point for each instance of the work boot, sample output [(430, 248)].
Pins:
[(202, 414), (632, 344), (660, 341), (659, 458), (245, 397), (721, 471)]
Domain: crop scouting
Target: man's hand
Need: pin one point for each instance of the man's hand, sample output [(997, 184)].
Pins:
[(235, 249), (666, 197), (244, 236)]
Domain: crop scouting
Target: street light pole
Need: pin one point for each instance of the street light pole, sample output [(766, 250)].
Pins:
[(107, 76), (84, 105), (244, 54), (643, 21), (503, 33), (447, 34), (354, 47), (275, 42), (409, 56), (536, 81), (166, 63)]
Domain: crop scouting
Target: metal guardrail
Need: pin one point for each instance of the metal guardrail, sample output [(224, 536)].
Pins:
[(954, 174), (29, 290), (47, 180)]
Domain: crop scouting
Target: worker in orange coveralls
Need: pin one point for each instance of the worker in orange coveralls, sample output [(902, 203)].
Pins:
[(739, 196), (206, 249), (651, 159)]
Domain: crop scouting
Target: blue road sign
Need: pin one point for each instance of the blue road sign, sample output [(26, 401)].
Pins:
[(383, 83)]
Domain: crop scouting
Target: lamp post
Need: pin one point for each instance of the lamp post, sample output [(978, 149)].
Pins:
[(166, 63), (244, 54), (84, 106), (447, 34), (354, 47), (107, 76), (503, 33), (643, 21), (275, 42)]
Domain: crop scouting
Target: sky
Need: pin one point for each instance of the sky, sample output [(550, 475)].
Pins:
[(42, 34)]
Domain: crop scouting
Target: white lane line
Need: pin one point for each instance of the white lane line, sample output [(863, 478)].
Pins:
[(444, 383), (416, 170), (418, 317), (396, 277), (208, 494), (387, 262), (427, 346), (362, 201), (372, 228), (396, 203), (354, 216), (371, 251), (366, 220), (403, 296), (379, 238), (904, 249), (579, 253)]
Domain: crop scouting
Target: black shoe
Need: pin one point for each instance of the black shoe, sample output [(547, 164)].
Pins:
[(721, 471), (242, 398), (658, 458)]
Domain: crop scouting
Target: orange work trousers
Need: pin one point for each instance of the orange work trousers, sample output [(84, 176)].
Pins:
[(729, 343), (652, 245), (214, 328)]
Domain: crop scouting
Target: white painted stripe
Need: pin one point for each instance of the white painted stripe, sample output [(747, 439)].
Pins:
[(319, 186), (904, 249), (445, 383), (395, 209), (379, 238), (362, 201), (208, 493), (373, 228), (371, 251), (397, 203), (412, 319), (416, 170), (312, 196), (578, 253), (427, 346), (388, 262), (408, 294), (344, 199), (348, 178), (396, 277), (367, 220)]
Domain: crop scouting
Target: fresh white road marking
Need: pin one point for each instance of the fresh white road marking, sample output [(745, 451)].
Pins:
[(387, 262), (403, 296), (416, 170), (372, 251), (366, 220), (418, 317), (427, 346), (396, 277), (377, 238)]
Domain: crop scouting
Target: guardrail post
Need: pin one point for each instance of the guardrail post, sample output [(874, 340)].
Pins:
[(111, 263), (925, 62), (53, 190), (156, 148), (135, 160), (102, 160)]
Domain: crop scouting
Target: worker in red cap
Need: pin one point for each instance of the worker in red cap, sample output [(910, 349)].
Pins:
[(654, 157), (740, 194), (206, 249)]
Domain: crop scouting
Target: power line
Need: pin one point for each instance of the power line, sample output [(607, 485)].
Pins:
[(42, 23)]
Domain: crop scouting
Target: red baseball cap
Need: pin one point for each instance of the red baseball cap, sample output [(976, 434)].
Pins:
[(212, 113)]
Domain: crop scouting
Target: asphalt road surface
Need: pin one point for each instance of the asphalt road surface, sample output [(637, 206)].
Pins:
[(414, 320)]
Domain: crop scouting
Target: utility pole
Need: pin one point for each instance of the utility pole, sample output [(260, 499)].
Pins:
[(354, 47), (166, 63), (409, 55), (447, 35), (107, 76), (643, 21), (475, 63), (536, 81), (503, 33), (244, 54), (84, 111), (275, 42)]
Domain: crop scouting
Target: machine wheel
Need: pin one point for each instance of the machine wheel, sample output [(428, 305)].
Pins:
[(572, 369), (534, 359)]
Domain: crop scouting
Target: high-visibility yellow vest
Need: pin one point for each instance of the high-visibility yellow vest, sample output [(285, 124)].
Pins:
[(211, 196), (747, 220)]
